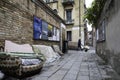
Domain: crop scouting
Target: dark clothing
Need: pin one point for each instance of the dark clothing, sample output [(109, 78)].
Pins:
[(79, 43)]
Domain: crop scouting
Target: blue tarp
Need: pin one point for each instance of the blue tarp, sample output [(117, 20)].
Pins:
[(37, 28)]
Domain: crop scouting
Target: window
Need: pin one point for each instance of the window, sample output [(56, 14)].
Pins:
[(101, 32), (69, 35), (69, 14)]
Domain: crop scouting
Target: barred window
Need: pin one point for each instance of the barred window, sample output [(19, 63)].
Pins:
[(101, 31)]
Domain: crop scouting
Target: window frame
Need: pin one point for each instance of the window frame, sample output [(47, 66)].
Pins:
[(69, 35), (101, 32), (68, 18)]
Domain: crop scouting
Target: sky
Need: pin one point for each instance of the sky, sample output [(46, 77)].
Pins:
[(88, 4)]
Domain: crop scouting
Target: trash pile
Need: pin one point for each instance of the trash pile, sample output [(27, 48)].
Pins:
[(21, 59), (13, 47), (48, 52), (57, 49)]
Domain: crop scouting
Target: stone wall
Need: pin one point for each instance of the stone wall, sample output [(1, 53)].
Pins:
[(109, 49), (16, 21)]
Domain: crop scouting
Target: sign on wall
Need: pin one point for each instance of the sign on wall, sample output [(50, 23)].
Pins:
[(54, 33), (37, 28), (43, 30), (50, 32), (58, 35)]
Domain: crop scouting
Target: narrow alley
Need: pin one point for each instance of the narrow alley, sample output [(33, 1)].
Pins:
[(41, 39), (76, 65)]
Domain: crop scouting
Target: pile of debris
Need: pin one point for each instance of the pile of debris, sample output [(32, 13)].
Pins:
[(21, 59)]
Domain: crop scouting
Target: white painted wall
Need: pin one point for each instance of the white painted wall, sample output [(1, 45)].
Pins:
[(82, 35), (113, 33)]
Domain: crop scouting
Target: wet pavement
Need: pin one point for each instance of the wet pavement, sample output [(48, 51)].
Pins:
[(76, 65)]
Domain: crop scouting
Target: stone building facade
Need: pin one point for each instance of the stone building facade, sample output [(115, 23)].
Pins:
[(16, 21), (72, 12), (108, 38)]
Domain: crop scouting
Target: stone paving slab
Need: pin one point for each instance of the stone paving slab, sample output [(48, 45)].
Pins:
[(70, 76), (84, 73), (94, 73), (83, 78), (59, 75), (73, 71), (95, 78), (40, 78)]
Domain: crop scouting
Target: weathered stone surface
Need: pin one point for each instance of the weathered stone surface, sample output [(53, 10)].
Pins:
[(109, 49)]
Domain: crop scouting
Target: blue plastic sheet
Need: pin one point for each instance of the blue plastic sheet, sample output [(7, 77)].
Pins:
[(37, 28)]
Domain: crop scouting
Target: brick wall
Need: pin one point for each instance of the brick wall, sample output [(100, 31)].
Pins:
[(16, 21)]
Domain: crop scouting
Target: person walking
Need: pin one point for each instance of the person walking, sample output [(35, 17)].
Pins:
[(79, 44)]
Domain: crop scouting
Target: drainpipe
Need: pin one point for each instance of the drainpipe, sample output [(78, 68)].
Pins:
[(61, 37), (79, 21)]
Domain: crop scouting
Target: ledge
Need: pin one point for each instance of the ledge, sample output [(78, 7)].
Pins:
[(100, 41)]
